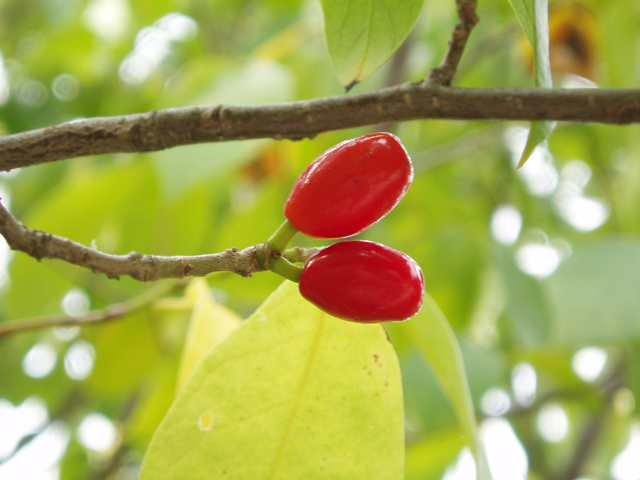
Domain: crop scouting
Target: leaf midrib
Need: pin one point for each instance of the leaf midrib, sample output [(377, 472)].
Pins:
[(367, 42), (298, 401)]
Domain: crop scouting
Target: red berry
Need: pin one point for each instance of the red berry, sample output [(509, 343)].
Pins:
[(350, 187), (364, 282)]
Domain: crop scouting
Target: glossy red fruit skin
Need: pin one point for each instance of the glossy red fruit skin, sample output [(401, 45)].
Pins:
[(350, 187), (363, 281)]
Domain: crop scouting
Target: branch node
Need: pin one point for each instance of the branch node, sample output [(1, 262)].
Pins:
[(212, 113), (40, 247), (188, 268), (444, 73), (267, 256)]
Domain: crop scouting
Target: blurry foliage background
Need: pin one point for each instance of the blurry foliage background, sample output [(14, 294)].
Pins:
[(537, 270)]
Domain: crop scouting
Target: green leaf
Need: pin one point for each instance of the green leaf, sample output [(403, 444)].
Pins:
[(363, 34), (528, 308), (210, 324), (126, 353), (525, 11), (292, 393), (90, 203), (436, 341), (534, 18), (538, 133), (595, 293), (429, 457), (258, 81)]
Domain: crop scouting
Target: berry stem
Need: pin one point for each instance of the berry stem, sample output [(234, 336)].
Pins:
[(271, 257), (282, 236), (286, 269), (300, 255), (280, 265)]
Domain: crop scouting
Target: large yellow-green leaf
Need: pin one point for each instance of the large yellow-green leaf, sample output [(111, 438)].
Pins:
[(534, 18), (210, 324), (436, 341), (363, 34), (291, 394)]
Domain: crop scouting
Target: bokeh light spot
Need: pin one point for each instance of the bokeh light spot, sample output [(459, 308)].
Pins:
[(5, 88), (33, 93), (39, 458), (66, 334), (76, 303), (506, 223), (65, 87), (98, 433), (523, 383), (495, 402), (108, 19), (538, 260), (588, 363), (625, 465), (78, 361), (506, 455), (40, 360), (552, 423)]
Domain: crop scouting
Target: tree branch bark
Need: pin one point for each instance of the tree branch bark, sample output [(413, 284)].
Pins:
[(162, 129), (443, 74), (145, 268)]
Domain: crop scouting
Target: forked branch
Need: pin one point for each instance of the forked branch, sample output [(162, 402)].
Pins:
[(145, 268), (443, 74)]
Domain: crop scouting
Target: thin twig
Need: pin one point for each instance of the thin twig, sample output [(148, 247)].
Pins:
[(443, 74), (145, 268), (594, 427), (162, 129), (113, 311)]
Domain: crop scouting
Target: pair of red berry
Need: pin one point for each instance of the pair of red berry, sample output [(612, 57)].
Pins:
[(344, 191)]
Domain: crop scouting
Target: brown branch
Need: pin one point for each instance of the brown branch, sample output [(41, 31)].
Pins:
[(443, 74), (112, 312), (145, 268), (162, 129), (595, 425)]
